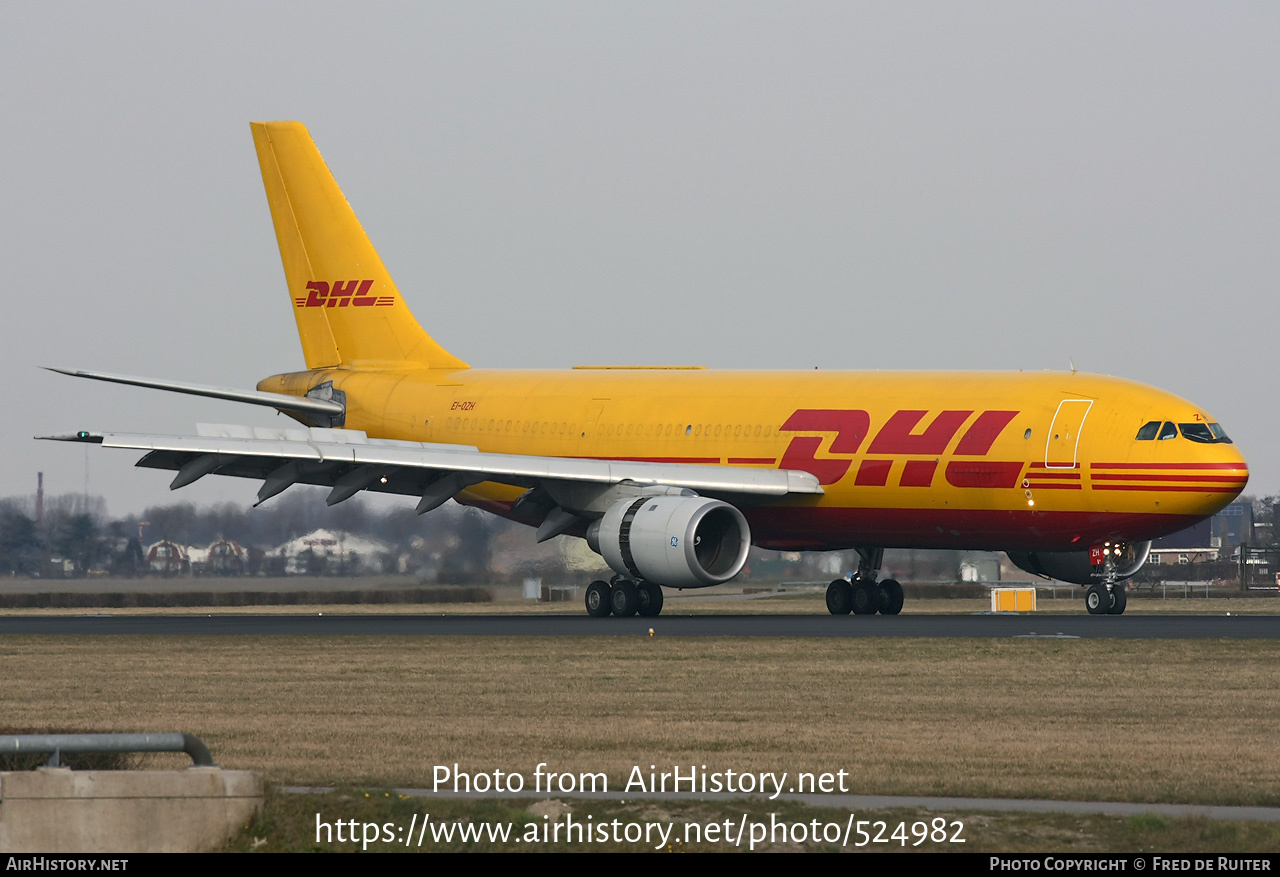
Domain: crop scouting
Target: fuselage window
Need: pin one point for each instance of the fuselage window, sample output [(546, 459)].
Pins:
[(1168, 431), (1148, 431)]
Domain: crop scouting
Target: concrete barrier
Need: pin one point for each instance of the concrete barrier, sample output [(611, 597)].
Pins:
[(58, 810)]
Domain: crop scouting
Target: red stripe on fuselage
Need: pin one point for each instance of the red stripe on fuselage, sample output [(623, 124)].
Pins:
[(1166, 466), (1162, 488), (1098, 476)]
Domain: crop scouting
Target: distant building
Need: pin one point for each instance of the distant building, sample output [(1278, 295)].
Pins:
[(1216, 538), (226, 558), (167, 559), (1233, 527)]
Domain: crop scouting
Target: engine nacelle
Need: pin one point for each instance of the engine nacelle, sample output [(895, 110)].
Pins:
[(678, 541), (1075, 566)]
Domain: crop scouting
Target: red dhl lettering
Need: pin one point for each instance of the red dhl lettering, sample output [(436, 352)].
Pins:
[(897, 436), (341, 294), (850, 427), (900, 436)]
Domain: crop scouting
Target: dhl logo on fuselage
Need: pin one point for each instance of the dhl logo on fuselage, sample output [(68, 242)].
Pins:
[(342, 293), (898, 438)]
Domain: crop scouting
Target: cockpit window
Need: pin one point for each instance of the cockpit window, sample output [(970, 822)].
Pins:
[(1205, 433), (1168, 431), (1148, 431)]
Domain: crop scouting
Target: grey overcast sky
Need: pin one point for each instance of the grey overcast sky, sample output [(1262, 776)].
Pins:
[(765, 185)]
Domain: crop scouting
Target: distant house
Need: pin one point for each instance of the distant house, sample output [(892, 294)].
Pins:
[(226, 558), (167, 559), (330, 552)]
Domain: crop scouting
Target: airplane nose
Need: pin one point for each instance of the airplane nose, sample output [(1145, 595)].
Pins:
[(1198, 487), (1226, 479)]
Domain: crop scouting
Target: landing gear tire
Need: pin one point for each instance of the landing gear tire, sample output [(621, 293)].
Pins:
[(650, 596), (1118, 600), (866, 598), (1098, 600), (891, 600), (599, 604), (839, 597), (625, 599)]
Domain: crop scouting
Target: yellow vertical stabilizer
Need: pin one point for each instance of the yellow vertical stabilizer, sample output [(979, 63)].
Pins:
[(348, 309)]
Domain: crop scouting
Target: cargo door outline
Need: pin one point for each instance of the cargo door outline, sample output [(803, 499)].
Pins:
[(1067, 424)]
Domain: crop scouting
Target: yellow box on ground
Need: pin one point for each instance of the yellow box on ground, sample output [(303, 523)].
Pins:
[(1013, 599)]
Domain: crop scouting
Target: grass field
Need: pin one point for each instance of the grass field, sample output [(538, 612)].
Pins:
[(1160, 721), (1129, 720)]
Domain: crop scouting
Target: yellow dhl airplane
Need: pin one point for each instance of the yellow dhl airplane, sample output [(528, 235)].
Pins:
[(672, 473)]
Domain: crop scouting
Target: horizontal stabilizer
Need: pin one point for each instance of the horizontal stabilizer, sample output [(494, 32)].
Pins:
[(278, 401)]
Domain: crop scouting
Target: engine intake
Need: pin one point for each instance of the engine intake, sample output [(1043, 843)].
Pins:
[(678, 541), (1075, 566)]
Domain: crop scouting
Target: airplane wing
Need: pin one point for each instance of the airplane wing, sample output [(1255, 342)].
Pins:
[(349, 461)]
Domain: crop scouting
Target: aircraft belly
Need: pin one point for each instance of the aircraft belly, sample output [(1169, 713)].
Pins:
[(821, 528)]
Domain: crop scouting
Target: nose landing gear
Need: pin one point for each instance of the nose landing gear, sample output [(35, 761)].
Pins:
[(1107, 597)]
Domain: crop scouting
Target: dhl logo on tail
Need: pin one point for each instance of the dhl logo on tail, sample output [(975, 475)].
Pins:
[(341, 294)]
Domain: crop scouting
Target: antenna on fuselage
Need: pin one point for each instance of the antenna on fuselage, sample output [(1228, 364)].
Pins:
[(1073, 364)]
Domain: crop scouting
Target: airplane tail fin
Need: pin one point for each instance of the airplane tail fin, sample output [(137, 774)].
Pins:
[(348, 309)]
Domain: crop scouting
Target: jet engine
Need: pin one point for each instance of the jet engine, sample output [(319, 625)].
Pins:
[(1076, 567), (677, 541)]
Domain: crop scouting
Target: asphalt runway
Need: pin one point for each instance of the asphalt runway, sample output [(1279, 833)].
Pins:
[(1080, 626)]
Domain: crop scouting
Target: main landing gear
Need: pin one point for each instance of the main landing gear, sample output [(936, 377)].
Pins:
[(623, 598), (864, 595)]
